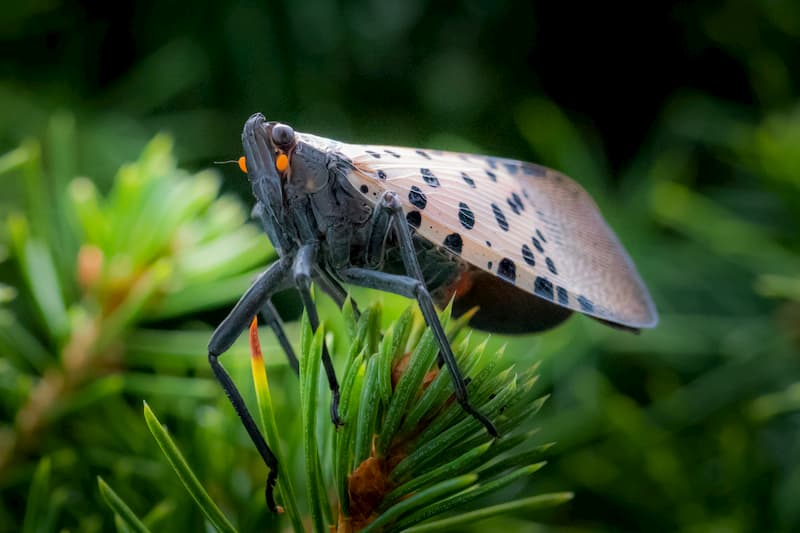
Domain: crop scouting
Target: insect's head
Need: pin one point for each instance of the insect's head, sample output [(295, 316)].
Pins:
[(278, 162), (268, 148)]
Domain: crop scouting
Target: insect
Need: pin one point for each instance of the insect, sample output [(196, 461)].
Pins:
[(524, 243)]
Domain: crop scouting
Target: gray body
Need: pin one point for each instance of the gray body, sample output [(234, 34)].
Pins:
[(322, 205)]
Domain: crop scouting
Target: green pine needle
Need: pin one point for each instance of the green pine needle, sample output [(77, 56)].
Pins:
[(121, 509), (393, 463), (185, 473)]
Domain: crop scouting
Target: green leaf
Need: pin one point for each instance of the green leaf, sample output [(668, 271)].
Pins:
[(61, 157), (85, 203), (309, 379), (421, 499), (120, 508), (14, 159), (185, 473), (344, 437), (90, 395), (349, 317), (39, 272), (367, 411), (463, 520), (132, 307), (200, 296), (391, 348), (442, 386), (467, 496), (36, 508), (438, 448), (460, 465), (421, 360), (16, 339), (270, 427)]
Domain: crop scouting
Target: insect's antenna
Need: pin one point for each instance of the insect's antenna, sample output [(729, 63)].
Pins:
[(241, 163)]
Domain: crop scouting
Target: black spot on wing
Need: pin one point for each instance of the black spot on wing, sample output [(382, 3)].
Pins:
[(517, 200), (489, 244), (381, 175), (543, 287), (417, 197), (539, 234), (563, 297), (393, 154), (527, 255), (429, 178), (511, 168), (507, 270), (454, 242), (421, 153), (414, 218), (515, 203), (466, 216), (492, 162), (469, 181), (586, 304), (500, 217), (537, 245), (374, 154), (551, 266), (492, 175), (364, 189)]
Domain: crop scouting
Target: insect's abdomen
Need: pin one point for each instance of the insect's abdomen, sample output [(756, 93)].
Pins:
[(440, 269), (502, 307)]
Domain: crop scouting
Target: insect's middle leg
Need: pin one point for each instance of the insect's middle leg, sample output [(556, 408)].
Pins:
[(412, 288), (303, 267), (271, 318)]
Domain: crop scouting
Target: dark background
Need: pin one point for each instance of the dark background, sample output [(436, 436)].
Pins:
[(681, 118)]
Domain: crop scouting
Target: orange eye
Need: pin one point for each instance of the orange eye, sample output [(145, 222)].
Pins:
[(243, 164), (282, 163)]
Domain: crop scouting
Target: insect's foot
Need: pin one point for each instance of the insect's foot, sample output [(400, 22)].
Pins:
[(269, 492), (490, 429), (335, 418)]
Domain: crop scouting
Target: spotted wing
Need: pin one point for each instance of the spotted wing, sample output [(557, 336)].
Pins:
[(527, 224)]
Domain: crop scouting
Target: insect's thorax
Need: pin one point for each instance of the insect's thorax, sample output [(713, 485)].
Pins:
[(343, 218)]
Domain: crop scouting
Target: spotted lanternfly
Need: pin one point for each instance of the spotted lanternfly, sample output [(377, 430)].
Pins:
[(523, 243)]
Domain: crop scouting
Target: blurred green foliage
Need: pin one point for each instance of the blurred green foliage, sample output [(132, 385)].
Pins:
[(685, 126)]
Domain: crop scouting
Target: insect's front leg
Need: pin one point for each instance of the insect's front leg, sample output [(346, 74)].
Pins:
[(303, 268), (272, 280), (413, 286)]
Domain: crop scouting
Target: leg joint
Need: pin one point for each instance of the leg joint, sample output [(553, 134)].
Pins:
[(390, 201), (420, 291), (302, 280)]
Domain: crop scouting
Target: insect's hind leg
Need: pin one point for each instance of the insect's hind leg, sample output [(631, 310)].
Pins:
[(303, 267), (226, 333), (413, 288)]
